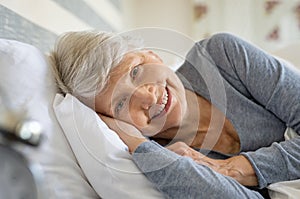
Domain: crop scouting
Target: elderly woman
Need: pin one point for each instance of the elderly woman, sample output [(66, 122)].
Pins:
[(228, 97)]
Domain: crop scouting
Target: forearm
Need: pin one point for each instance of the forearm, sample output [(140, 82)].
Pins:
[(181, 177), (133, 142), (279, 162), (275, 87), (237, 167)]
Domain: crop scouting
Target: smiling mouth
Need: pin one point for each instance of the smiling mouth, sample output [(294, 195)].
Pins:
[(164, 105)]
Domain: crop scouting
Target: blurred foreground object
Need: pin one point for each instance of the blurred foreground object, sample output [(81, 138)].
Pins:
[(19, 178)]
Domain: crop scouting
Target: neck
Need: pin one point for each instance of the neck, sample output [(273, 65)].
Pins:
[(203, 126), (192, 121)]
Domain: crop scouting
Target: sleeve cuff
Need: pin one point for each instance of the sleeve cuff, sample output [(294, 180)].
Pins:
[(269, 165)]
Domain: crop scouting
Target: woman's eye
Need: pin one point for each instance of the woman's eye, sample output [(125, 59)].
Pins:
[(134, 72), (119, 106)]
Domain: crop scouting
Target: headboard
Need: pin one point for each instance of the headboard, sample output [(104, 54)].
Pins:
[(40, 24), (16, 27)]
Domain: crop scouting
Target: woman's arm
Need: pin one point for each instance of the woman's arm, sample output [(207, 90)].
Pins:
[(237, 167), (174, 175), (181, 177), (274, 86)]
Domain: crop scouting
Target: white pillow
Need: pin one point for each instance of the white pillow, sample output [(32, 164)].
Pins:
[(285, 190), (26, 82), (101, 154)]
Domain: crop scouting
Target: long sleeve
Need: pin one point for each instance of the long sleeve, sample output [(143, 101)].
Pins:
[(180, 177), (272, 85)]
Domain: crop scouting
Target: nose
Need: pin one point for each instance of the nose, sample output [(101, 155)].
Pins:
[(145, 96)]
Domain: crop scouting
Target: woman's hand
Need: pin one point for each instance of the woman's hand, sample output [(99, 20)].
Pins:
[(237, 167), (128, 133)]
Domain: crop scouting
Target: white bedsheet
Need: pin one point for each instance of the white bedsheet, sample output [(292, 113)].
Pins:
[(286, 189)]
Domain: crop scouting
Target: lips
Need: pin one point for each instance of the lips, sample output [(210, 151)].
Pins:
[(164, 104), (168, 104)]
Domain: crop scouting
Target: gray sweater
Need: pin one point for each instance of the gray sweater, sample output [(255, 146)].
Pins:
[(258, 94)]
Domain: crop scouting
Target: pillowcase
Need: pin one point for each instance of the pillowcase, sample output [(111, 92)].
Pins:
[(27, 84), (101, 154), (285, 190)]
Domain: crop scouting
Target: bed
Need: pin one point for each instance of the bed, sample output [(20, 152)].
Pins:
[(75, 162)]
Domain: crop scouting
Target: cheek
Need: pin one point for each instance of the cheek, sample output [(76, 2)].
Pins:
[(176, 88), (136, 118)]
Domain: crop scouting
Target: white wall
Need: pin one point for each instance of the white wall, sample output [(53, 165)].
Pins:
[(166, 26), (249, 19), (246, 18), (173, 14)]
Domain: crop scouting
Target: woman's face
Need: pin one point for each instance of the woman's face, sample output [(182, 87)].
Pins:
[(144, 92)]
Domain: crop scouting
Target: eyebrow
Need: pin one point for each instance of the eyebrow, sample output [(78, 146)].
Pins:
[(133, 61)]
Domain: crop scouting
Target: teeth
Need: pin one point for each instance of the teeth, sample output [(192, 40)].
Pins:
[(164, 100), (163, 104)]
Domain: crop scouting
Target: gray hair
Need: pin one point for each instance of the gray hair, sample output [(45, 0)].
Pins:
[(81, 61)]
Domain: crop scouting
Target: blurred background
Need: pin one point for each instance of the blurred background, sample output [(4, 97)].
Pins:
[(271, 24)]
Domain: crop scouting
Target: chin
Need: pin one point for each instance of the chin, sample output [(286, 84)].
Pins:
[(152, 130), (172, 120)]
